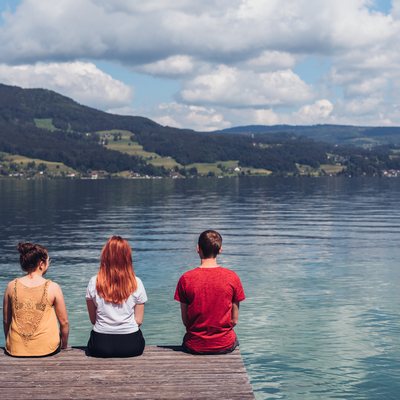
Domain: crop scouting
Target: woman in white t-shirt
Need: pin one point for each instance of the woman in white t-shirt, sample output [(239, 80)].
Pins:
[(115, 300)]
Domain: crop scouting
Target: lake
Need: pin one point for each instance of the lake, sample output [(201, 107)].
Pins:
[(318, 258)]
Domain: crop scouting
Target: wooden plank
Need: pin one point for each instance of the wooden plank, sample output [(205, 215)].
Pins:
[(160, 373)]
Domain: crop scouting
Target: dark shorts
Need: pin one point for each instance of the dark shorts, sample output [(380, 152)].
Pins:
[(110, 345)]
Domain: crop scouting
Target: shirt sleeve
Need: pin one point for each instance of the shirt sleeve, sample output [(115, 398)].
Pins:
[(140, 294), (238, 293), (90, 290), (180, 294)]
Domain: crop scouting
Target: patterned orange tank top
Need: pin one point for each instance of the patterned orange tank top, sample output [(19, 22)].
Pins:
[(34, 327)]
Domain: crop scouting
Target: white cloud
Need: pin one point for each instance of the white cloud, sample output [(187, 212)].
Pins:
[(266, 117), (168, 120), (145, 32), (395, 11), (229, 55), (354, 26), (363, 106), (236, 88), (358, 63), (192, 117), (317, 112), (171, 67), (151, 6), (272, 61), (83, 82), (366, 87)]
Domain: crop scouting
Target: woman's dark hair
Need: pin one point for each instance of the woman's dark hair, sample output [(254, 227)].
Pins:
[(30, 255)]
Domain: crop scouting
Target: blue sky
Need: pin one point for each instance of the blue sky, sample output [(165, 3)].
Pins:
[(211, 64)]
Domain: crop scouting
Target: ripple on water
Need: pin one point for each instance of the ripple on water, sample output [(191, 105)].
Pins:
[(318, 259)]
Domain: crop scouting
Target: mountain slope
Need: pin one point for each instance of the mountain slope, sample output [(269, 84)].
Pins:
[(72, 141), (45, 125), (336, 134), (24, 105)]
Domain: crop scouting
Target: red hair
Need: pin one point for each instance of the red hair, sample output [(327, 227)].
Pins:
[(116, 279)]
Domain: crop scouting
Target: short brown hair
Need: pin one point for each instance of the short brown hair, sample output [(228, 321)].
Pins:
[(210, 243), (30, 255)]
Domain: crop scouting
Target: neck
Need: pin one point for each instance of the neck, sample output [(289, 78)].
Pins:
[(34, 275), (208, 263)]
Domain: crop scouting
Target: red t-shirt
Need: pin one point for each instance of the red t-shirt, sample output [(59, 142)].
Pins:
[(209, 294)]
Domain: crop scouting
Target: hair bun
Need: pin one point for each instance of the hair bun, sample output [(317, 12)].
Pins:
[(24, 248)]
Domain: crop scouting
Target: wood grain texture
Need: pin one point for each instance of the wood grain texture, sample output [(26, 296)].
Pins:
[(162, 372)]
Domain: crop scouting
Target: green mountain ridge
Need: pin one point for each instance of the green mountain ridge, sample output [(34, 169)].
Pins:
[(336, 134), (43, 125)]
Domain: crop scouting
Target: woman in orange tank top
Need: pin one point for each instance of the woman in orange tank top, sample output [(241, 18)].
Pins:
[(34, 314)]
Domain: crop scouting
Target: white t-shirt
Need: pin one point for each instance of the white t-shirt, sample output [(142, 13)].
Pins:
[(116, 318)]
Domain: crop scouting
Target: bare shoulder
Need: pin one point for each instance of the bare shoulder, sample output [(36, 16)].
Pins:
[(54, 288), (10, 286), (9, 290)]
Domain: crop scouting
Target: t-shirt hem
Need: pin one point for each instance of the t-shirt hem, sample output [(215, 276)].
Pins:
[(114, 332), (24, 355)]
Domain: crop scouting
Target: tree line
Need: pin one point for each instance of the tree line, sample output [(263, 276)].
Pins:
[(75, 142)]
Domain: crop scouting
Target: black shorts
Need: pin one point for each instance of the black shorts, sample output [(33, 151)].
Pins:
[(111, 345)]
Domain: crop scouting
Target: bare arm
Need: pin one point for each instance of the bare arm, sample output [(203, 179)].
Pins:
[(62, 315), (139, 313), (91, 307), (184, 316), (7, 311), (235, 313)]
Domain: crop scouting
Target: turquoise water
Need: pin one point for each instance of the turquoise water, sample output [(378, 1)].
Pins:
[(319, 261)]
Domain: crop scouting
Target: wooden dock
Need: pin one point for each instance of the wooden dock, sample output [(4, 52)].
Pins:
[(162, 372)]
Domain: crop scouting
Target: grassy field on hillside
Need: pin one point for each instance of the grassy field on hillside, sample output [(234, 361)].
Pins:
[(120, 140), (324, 169), (226, 168), (124, 144), (45, 123), (24, 163)]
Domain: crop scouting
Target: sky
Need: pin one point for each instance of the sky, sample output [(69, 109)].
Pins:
[(211, 64)]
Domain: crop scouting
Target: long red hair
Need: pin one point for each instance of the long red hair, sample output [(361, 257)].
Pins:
[(116, 279)]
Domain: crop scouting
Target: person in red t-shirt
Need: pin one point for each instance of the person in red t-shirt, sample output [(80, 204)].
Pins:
[(209, 297)]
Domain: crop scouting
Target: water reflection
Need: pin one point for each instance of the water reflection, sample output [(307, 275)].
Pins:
[(318, 259)]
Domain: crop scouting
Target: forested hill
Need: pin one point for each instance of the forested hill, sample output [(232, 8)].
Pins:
[(337, 134), (23, 106), (39, 124)]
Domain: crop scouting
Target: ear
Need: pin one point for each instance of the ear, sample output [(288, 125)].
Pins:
[(42, 265), (220, 250)]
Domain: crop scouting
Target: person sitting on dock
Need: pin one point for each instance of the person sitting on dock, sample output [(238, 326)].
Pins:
[(209, 297), (115, 300), (34, 309)]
